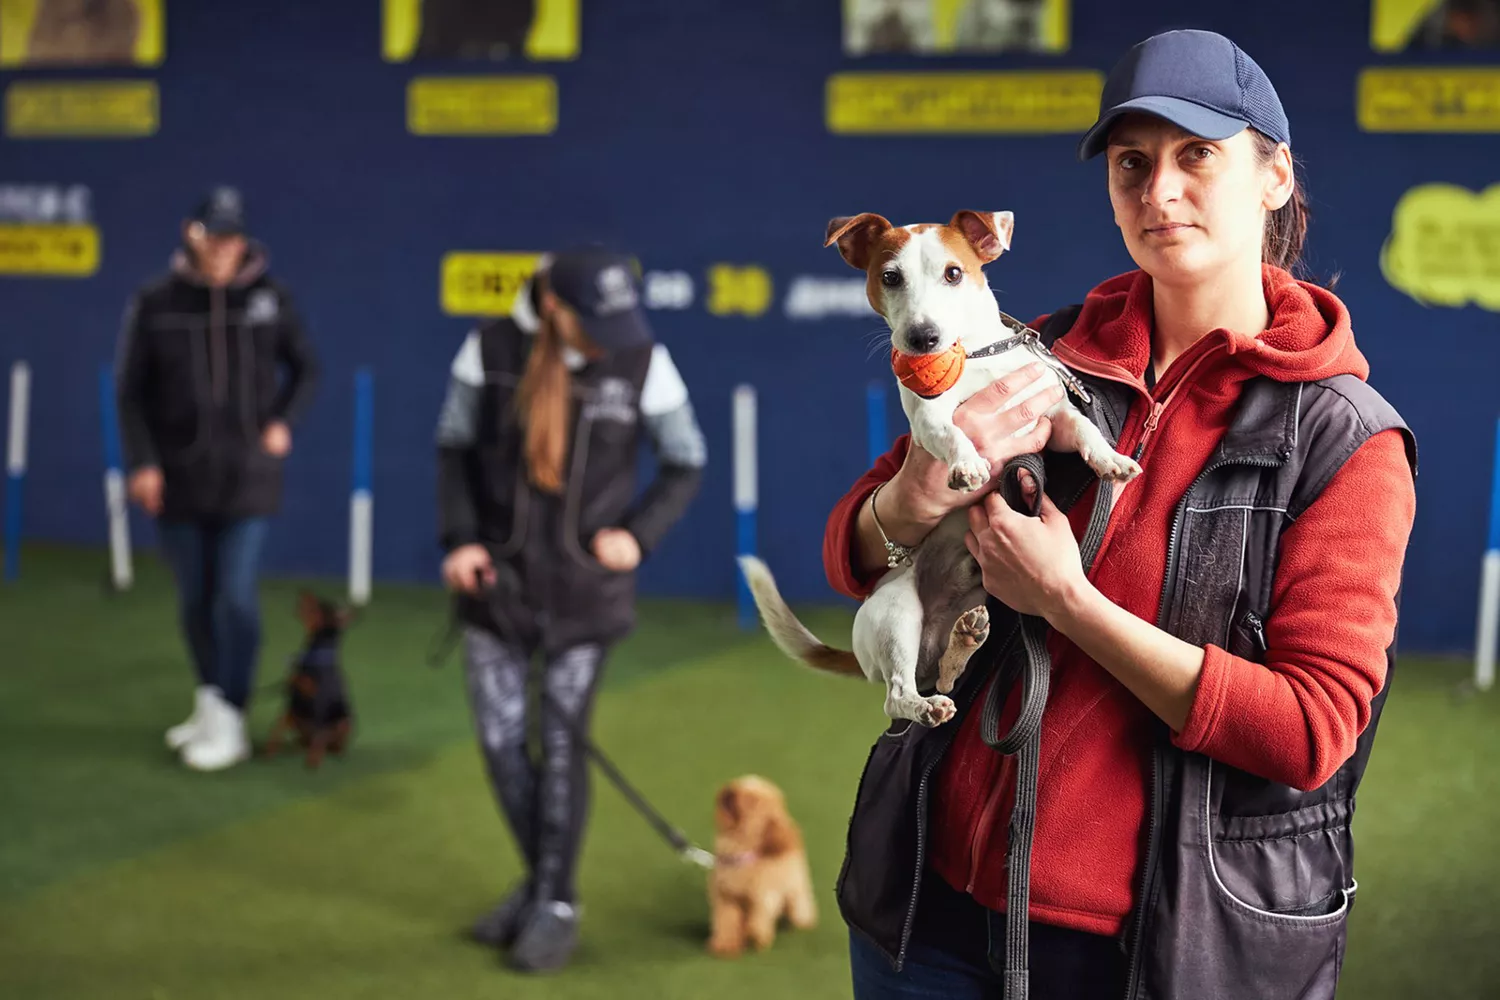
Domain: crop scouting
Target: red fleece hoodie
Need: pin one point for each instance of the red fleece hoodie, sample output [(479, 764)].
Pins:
[(1293, 720)]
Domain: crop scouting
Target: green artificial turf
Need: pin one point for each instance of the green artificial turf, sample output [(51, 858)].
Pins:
[(124, 876)]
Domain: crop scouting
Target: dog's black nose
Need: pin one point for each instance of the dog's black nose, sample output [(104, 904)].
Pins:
[(921, 338)]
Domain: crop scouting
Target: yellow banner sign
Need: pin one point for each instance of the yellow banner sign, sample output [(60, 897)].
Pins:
[(81, 109), (61, 251), (483, 284), (1444, 246), (1020, 101), (1429, 99), (482, 105), (732, 289)]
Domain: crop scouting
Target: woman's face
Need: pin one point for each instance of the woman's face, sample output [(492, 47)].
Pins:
[(1190, 208)]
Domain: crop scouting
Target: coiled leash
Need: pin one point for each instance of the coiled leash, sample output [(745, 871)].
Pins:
[(1025, 735), (439, 652)]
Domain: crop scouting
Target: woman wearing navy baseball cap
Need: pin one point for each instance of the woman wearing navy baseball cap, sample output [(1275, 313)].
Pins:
[(1218, 644)]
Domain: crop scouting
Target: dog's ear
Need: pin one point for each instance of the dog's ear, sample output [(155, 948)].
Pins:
[(856, 236), (308, 608), (778, 836), (987, 232), (729, 803)]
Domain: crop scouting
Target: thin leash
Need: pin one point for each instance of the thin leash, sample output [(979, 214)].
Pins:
[(442, 648)]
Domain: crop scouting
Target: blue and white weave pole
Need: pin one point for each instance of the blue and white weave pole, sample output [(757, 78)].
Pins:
[(361, 497), (15, 464), (1489, 586), (121, 574), (746, 493), (879, 440)]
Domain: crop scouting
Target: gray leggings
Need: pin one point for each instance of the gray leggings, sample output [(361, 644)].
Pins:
[(545, 801)]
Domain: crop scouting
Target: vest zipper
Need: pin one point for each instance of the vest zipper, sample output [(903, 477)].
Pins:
[(218, 346), (1153, 829), (1117, 373)]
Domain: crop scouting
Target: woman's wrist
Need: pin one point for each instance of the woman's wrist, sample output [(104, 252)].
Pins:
[(900, 516), (1076, 602)]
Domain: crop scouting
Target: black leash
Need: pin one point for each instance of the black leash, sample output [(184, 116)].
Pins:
[(439, 652), (1025, 735)]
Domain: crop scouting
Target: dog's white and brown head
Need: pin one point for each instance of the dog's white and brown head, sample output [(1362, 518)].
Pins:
[(927, 280)]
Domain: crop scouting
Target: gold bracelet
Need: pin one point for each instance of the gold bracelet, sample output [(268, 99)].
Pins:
[(896, 554)]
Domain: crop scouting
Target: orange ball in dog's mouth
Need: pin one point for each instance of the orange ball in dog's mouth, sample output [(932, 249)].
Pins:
[(929, 375)]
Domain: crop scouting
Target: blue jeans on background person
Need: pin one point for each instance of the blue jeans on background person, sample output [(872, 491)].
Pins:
[(957, 944), (217, 567)]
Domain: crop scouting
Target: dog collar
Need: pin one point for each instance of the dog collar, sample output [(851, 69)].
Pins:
[(1024, 336), (736, 860)]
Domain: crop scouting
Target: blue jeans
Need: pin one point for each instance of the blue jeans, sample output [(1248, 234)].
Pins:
[(950, 956), (217, 565)]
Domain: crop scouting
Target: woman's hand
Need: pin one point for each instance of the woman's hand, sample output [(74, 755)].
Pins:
[(1031, 564), (918, 496), (276, 439), (465, 566), (616, 549)]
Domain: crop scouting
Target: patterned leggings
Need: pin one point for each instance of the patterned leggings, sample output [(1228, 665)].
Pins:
[(545, 801)]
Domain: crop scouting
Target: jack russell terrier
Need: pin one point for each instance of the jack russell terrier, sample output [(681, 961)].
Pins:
[(949, 340)]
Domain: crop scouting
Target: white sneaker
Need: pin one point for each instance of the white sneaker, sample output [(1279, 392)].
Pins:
[(203, 698), (220, 742)]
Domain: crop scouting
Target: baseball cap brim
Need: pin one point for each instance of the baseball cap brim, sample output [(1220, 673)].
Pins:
[(1195, 118), (618, 331)]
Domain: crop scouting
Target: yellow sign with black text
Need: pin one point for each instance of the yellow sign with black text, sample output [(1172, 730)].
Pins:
[(93, 109), (1444, 246), (56, 251), (1429, 99), (483, 284), (481, 105), (1007, 102)]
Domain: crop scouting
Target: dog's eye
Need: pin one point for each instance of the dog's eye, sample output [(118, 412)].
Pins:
[(890, 279), (954, 274)]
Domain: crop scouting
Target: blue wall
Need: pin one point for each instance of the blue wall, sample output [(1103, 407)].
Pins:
[(691, 133)]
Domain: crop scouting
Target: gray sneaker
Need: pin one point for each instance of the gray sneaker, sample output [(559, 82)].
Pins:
[(499, 927), (547, 938)]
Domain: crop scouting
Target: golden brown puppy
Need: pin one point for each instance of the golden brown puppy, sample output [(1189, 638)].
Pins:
[(760, 868)]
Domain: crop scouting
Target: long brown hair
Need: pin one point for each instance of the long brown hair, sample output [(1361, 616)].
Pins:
[(544, 399)]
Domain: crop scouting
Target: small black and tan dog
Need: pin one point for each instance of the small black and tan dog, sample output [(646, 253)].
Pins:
[(317, 698)]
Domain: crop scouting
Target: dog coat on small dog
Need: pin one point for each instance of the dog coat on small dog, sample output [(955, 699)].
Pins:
[(318, 706)]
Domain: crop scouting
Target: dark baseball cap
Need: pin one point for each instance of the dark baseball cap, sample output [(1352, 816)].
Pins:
[(221, 212), (601, 287), (1199, 81)]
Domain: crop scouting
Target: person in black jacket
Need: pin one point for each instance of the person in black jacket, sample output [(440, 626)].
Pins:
[(205, 418), (543, 530)]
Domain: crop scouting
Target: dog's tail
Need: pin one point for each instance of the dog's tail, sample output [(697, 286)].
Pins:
[(789, 634)]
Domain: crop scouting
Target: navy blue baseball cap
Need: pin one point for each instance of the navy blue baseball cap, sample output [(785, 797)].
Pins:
[(601, 288), (1199, 81), (221, 212)]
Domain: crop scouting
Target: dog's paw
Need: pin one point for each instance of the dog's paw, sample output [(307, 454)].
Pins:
[(972, 627), (937, 710), (725, 948), (1113, 467), (968, 475)]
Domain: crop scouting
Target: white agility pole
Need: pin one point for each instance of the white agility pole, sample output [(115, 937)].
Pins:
[(361, 496), (746, 492), (1489, 587), (15, 464), (121, 572)]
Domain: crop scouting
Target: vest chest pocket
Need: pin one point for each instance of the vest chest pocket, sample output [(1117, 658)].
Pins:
[(1223, 581)]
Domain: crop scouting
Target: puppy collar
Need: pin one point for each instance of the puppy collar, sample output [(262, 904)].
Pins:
[(736, 860)]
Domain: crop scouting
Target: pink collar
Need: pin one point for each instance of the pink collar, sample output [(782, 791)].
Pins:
[(735, 860)]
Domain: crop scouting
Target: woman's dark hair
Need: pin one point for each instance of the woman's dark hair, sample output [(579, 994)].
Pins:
[(1286, 228)]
